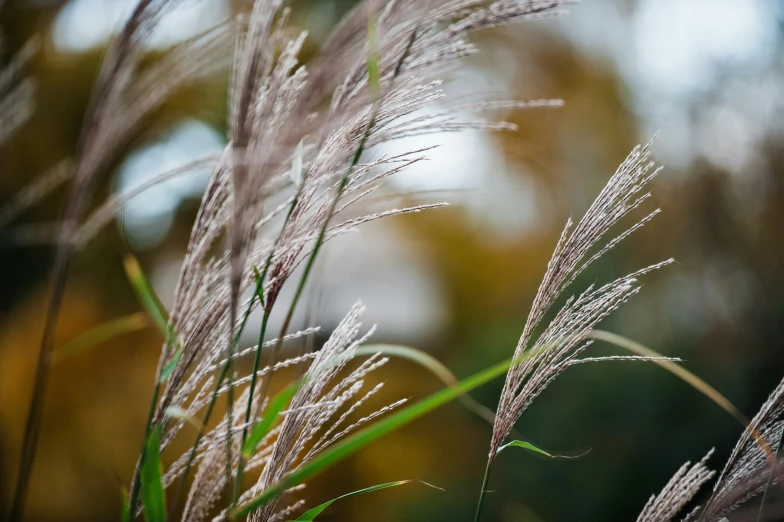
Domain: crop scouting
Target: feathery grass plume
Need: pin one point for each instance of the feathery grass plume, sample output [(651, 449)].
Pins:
[(276, 128), (274, 106), (264, 92), (752, 462), (280, 117), (126, 93), (566, 337), (297, 135), (677, 493), (351, 124), (210, 479), (751, 468), (312, 421)]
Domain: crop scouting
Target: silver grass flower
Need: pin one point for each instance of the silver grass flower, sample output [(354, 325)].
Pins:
[(751, 462), (678, 492), (293, 131), (312, 418), (564, 339), (317, 416), (752, 465), (276, 128), (126, 93), (285, 141), (278, 125)]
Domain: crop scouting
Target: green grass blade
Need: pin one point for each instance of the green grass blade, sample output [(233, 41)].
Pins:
[(530, 447), (149, 299), (486, 479), (362, 438), (263, 427), (525, 445), (153, 495), (146, 294), (100, 334), (311, 514), (155, 309), (434, 366), (125, 508)]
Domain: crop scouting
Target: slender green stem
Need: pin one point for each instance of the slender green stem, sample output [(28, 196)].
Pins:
[(292, 308), (199, 435), (232, 342), (267, 310), (148, 299), (136, 482), (302, 282), (256, 363), (230, 405), (258, 292), (483, 491)]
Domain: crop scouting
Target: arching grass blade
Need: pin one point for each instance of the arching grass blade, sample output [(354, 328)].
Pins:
[(153, 495), (311, 514)]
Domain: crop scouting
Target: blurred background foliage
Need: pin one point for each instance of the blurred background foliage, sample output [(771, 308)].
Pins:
[(458, 282)]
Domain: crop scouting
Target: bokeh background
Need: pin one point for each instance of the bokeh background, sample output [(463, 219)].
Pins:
[(457, 282)]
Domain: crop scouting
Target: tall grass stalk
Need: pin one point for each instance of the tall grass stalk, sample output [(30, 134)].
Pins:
[(266, 308), (483, 490)]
